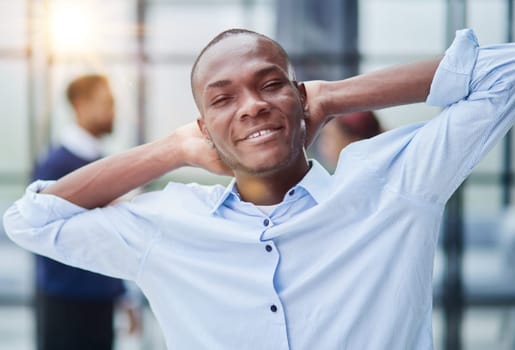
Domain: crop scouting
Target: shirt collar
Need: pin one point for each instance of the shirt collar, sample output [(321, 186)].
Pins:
[(315, 182), (81, 143), (230, 189)]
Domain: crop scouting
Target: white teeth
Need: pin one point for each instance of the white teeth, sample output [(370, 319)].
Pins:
[(259, 133)]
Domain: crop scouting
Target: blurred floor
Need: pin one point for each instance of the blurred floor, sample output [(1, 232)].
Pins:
[(17, 327), (481, 331), (482, 328)]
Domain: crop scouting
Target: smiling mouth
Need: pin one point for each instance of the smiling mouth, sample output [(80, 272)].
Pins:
[(260, 134)]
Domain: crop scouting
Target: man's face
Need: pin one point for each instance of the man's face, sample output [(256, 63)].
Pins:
[(97, 110), (251, 110)]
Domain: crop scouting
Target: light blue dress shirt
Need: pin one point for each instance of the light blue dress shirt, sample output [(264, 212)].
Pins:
[(344, 262)]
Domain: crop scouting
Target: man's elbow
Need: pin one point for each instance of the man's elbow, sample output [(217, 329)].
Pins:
[(15, 226)]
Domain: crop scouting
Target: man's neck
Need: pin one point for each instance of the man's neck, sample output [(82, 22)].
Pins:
[(270, 189), (87, 127)]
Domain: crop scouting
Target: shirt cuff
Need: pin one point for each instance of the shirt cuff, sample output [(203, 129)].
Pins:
[(41, 209), (451, 82)]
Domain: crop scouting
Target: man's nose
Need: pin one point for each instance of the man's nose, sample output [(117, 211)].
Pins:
[(252, 104)]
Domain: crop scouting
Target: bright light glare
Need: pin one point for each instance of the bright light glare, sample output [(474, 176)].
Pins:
[(72, 28)]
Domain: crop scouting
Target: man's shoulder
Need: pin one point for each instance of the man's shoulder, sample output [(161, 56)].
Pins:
[(388, 143), (182, 195), (378, 154), (205, 193)]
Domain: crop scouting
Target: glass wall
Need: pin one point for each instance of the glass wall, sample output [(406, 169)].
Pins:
[(146, 48)]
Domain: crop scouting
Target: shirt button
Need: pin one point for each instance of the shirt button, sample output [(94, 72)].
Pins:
[(292, 192), (273, 308), (268, 248), (266, 222)]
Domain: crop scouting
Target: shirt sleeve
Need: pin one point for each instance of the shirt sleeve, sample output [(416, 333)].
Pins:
[(113, 240), (474, 85)]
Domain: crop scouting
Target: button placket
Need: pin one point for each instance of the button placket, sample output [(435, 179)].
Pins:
[(269, 248)]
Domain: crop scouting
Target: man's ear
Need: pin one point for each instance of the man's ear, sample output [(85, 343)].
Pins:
[(303, 97), (203, 129)]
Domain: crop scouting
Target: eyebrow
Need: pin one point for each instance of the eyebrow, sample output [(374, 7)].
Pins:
[(267, 70), (218, 84), (259, 73)]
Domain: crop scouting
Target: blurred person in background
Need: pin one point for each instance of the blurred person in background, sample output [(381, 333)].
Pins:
[(343, 130), (75, 307)]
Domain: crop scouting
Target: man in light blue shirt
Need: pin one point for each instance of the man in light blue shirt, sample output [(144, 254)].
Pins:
[(287, 256)]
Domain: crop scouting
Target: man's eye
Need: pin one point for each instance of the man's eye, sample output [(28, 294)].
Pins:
[(220, 100), (271, 85)]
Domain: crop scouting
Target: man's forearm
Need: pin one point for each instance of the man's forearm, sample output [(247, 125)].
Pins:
[(403, 84), (101, 182)]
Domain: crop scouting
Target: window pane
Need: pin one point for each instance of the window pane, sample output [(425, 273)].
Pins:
[(14, 155), (491, 163), (482, 200), (487, 328), (480, 15), (93, 26), (169, 100), (397, 27), (13, 16), (166, 24)]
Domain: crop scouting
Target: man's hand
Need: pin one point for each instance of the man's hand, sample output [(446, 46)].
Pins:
[(199, 152), (316, 116)]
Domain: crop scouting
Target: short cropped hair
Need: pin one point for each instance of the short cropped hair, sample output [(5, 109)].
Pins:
[(83, 86), (238, 31)]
